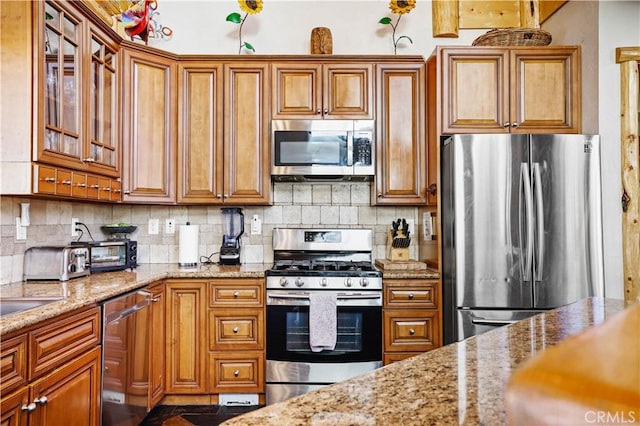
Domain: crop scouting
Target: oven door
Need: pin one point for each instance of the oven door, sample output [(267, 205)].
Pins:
[(359, 331)]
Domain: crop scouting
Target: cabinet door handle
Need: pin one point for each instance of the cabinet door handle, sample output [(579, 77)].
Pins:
[(410, 296), (89, 160), (514, 125), (81, 185), (235, 329), (218, 195), (412, 331), (507, 124), (236, 294), (236, 373), (42, 400), (379, 194), (117, 191), (95, 186), (318, 111), (29, 407), (326, 110), (127, 192)]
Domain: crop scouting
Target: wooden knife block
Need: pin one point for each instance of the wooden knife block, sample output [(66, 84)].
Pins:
[(396, 254)]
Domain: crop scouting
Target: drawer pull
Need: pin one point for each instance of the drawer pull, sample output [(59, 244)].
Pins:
[(49, 179), (106, 189), (95, 186), (66, 182), (81, 185), (412, 331), (410, 296), (30, 407), (236, 373), (236, 294), (235, 329)]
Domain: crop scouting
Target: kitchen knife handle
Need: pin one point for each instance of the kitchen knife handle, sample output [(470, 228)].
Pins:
[(539, 220)]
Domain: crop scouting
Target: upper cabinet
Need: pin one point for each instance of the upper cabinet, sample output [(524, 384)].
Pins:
[(60, 77), (311, 90), (401, 145), (149, 125), (224, 151), (508, 90), (78, 88)]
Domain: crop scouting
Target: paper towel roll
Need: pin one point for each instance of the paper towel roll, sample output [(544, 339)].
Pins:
[(188, 249)]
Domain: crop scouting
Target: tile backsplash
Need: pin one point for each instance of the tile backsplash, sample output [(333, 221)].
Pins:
[(339, 205)]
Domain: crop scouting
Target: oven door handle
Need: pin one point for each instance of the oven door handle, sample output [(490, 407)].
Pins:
[(305, 296)]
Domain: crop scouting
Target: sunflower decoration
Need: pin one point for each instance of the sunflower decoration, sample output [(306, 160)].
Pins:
[(249, 7), (399, 7)]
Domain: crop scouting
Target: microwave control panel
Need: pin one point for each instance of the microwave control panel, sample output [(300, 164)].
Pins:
[(362, 149)]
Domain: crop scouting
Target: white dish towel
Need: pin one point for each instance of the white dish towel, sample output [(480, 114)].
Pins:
[(323, 322)]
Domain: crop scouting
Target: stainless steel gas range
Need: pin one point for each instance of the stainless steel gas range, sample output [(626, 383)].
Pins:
[(330, 262)]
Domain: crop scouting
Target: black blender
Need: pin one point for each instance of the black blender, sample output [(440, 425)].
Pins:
[(233, 228)]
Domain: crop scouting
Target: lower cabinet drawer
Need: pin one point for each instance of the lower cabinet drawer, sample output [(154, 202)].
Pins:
[(240, 329), (239, 372), (407, 331)]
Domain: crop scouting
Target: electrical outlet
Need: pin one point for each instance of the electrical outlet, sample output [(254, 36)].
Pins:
[(74, 226), (170, 226), (21, 231), (256, 225), (154, 226), (427, 226)]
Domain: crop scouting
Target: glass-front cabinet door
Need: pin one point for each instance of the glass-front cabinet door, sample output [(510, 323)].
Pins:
[(78, 91), (103, 140), (62, 129)]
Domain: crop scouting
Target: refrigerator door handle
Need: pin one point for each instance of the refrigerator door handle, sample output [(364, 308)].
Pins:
[(539, 221), (525, 186)]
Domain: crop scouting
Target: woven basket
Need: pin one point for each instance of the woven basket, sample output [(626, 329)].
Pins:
[(514, 37)]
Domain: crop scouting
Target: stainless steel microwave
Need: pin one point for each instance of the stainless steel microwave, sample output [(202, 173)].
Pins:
[(305, 150)]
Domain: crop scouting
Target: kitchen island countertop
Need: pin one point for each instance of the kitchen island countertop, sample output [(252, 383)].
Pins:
[(461, 383)]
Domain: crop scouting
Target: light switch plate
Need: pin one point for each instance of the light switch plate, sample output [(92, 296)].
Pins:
[(154, 225), (21, 231)]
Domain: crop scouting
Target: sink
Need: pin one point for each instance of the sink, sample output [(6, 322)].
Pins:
[(12, 305)]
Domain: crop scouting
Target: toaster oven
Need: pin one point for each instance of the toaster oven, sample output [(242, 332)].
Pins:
[(60, 263), (113, 255)]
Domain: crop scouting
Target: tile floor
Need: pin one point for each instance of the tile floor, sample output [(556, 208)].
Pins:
[(193, 415)]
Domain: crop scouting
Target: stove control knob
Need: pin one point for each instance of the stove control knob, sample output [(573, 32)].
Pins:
[(364, 282), (323, 282), (299, 282), (348, 282), (283, 282)]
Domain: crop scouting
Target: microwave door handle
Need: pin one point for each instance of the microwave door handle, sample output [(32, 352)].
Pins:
[(349, 148)]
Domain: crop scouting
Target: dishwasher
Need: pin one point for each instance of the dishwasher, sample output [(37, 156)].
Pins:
[(125, 363)]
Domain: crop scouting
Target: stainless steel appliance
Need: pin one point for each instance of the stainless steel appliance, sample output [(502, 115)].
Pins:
[(232, 230), (305, 150), (125, 351), (113, 255), (521, 227), (321, 261), (56, 262)]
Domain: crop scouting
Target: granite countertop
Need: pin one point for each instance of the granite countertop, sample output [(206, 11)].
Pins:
[(461, 383), (95, 288)]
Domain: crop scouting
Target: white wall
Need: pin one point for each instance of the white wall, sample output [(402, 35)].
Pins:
[(284, 27)]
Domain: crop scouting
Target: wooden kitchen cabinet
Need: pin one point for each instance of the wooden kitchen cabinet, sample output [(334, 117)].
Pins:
[(149, 125), (61, 358), (508, 89), (157, 345), (246, 152), (312, 90), (401, 147), (78, 83), (70, 58), (224, 154), (411, 317), (236, 335), (186, 337)]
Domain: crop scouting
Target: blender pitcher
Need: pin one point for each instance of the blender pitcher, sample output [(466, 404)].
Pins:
[(232, 228)]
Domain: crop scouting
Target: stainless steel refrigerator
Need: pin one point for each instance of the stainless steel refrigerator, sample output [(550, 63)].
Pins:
[(521, 227)]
